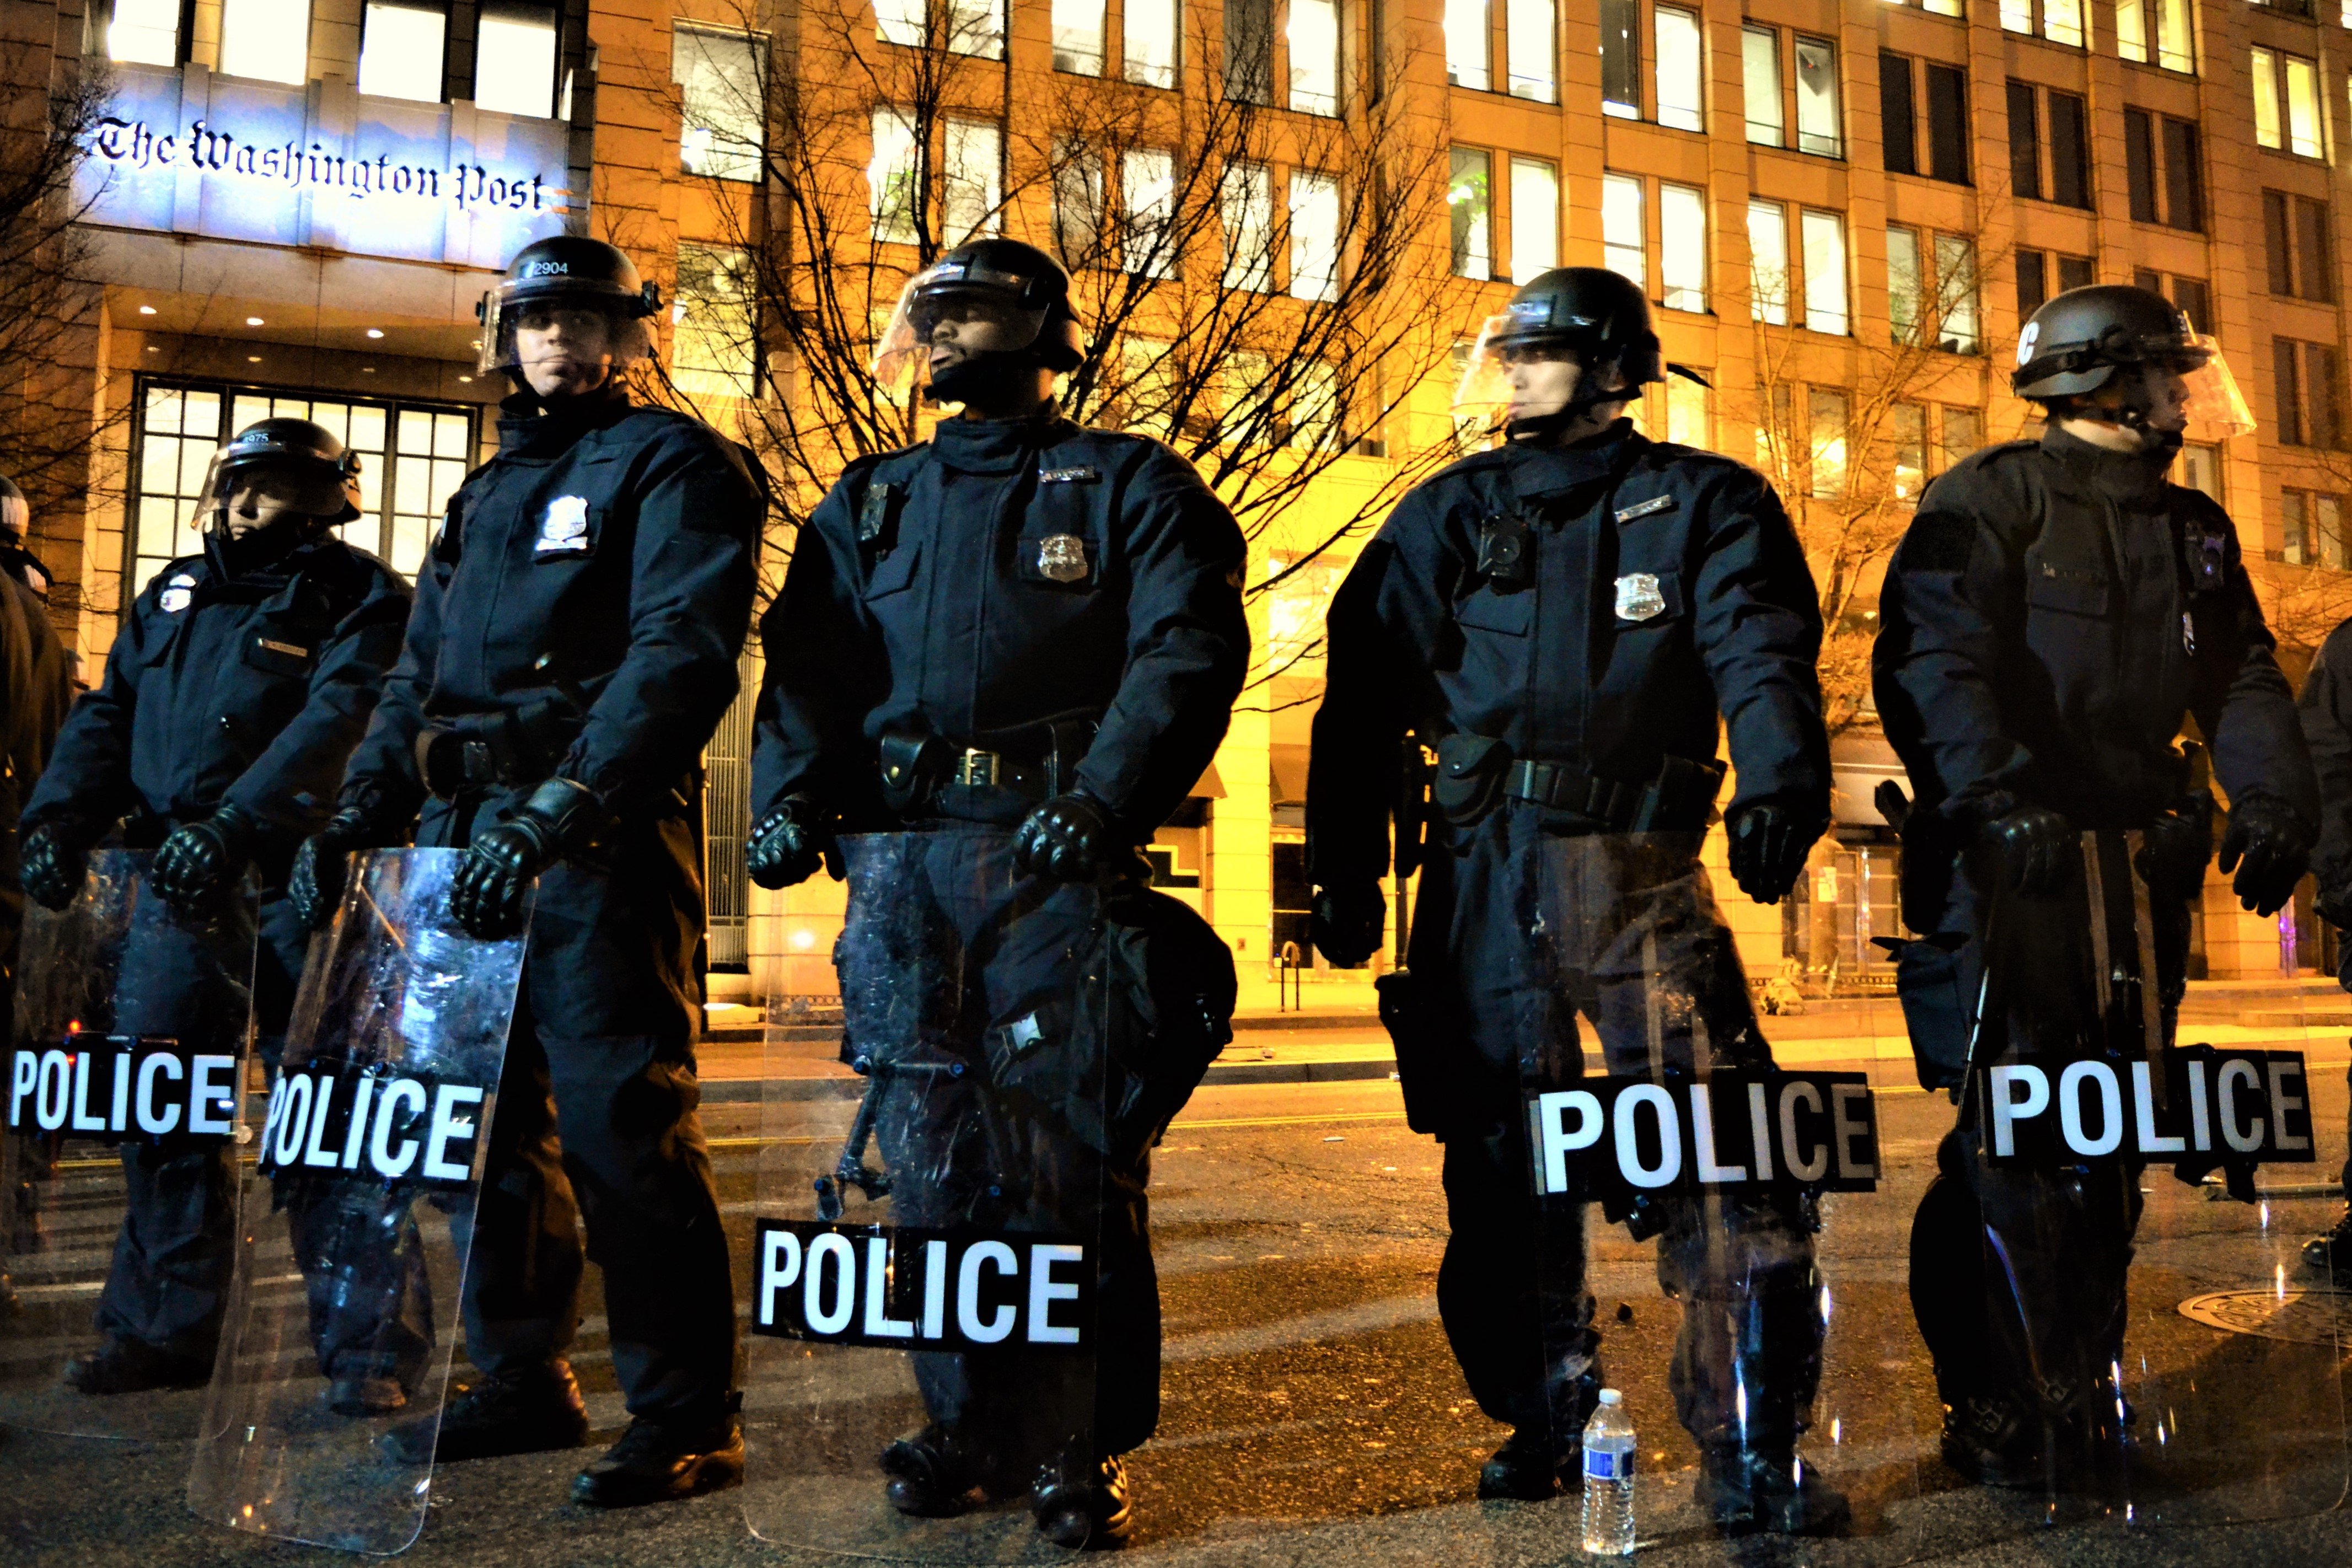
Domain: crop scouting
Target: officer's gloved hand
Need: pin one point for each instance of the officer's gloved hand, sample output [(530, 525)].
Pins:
[(201, 860), (1070, 838), (791, 842), (2268, 846), (1349, 918), (1769, 841), (2037, 845), (559, 816), (323, 865), (2175, 849), (52, 863)]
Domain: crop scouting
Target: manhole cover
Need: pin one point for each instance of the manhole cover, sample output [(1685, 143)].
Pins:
[(2301, 1317)]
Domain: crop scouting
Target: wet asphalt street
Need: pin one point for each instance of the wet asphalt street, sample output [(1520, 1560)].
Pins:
[(1313, 1413)]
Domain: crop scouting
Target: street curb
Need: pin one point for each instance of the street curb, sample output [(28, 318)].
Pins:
[(752, 1091)]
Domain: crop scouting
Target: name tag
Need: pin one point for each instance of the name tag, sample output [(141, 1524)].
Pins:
[(291, 650), (1081, 475), (1650, 508)]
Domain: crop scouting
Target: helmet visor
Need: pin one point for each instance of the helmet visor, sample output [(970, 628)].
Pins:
[(311, 486), (979, 306), (2217, 410), (1487, 390), (513, 307)]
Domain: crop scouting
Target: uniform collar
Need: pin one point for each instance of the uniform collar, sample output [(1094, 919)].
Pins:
[(526, 427), (1542, 470), (996, 446), (2126, 476)]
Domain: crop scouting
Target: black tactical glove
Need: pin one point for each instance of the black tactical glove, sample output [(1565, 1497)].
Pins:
[(2268, 846), (507, 858), (1349, 919), (52, 863), (2037, 845), (1070, 838), (2176, 848), (201, 860), (1769, 842), (791, 842), (323, 865)]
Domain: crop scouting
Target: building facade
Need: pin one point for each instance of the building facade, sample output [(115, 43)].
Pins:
[(1842, 209)]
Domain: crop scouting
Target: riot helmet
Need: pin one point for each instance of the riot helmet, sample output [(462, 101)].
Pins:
[(320, 481), (568, 271), (1020, 289), (15, 515), (1598, 318), (2129, 356), (15, 522)]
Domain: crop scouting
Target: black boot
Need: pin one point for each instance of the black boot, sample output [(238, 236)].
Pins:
[(131, 1366), (2332, 1254), (1986, 1442), (654, 1463), (534, 1411), (1082, 1503), (1744, 1491), (365, 1394), (932, 1472), (1526, 1467)]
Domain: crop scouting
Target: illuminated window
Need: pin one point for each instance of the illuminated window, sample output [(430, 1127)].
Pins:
[(1906, 304), (1314, 237), (1078, 36), (722, 131), (1688, 414), (1621, 59), (973, 197), (514, 60), (1152, 28), (1828, 442), (714, 347), (268, 40), (1679, 68), (1469, 201), (145, 32), (1767, 262), (1760, 60), (1530, 34), (1078, 205), (400, 51), (1682, 246), (967, 26), (1146, 182), (1622, 247), (1907, 434), (1816, 101), (1246, 200), (1313, 39), (1824, 255), (1466, 43), (894, 194), (1535, 218)]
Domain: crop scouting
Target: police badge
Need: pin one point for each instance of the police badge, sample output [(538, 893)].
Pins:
[(563, 530), (1638, 598), (1062, 558)]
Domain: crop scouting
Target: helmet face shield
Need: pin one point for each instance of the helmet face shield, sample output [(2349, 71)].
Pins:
[(986, 302), (310, 485), (510, 308), (2217, 410), (1487, 390)]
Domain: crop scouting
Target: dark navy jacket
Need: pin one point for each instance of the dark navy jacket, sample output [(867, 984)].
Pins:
[(998, 577), (603, 563), (2325, 706), (1666, 594), (249, 689), (2052, 615)]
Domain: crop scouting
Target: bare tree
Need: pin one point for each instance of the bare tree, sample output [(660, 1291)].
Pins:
[(1849, 454), (1259, 286), (50, 424)]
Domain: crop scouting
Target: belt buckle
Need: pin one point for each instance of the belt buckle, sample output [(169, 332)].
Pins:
[(977, 768)]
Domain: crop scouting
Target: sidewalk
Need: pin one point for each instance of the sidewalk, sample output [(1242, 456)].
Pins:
[(1332, 1044)]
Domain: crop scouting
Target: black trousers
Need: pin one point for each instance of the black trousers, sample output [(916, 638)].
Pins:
[(1525, 928), (597, 1122), (976, 1001)]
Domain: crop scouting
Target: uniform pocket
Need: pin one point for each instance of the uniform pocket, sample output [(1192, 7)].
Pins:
[(1488, 610), (894, 574), (2071, 590)]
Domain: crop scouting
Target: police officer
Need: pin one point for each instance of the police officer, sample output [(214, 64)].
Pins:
[(2054, 611), (16, 559), (1018, 625), (240, 681), (574, 647), (36, 685), (1566, 619), (2325, 706)]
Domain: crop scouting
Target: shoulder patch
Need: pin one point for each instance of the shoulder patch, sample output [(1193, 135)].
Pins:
[(1938, 542)]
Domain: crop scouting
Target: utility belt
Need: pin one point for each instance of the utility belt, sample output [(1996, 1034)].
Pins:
[(1476, 772), (925, 774), (511, 749)]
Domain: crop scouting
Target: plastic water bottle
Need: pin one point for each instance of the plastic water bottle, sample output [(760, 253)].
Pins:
[(1609, 1479)]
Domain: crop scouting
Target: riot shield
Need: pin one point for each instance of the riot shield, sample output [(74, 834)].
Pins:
[(1719, 1192), (2106, 1264), (354, 1223), (946, 1333), (119, 1153)]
